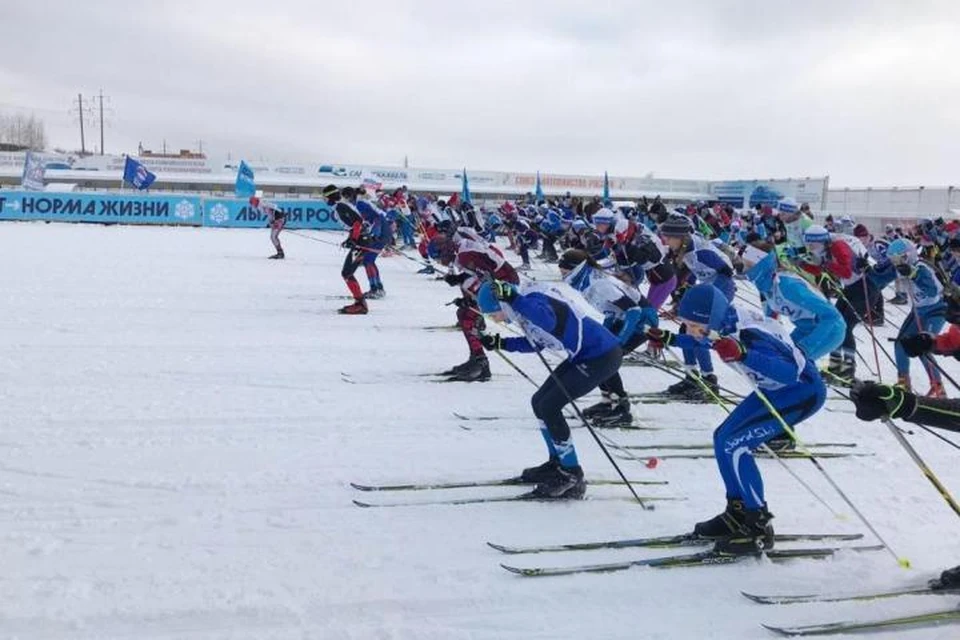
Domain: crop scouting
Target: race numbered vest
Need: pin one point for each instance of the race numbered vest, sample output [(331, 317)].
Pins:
[(703, 273), (779, 304), (565, 294), (756, 321), (920, 297), (603, 290)]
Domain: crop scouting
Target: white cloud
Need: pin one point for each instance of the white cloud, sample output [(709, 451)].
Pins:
[(861, 90)]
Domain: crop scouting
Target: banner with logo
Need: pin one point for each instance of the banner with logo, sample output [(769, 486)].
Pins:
[(301, 214), (750, 193), (100, 207)]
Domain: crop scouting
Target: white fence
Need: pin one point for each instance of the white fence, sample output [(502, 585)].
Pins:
[(895, 204)]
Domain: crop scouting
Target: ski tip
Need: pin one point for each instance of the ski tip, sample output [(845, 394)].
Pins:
[(516, 570), (783, 631), (758, 598), (499, 547), (362, 504), (361, 487)]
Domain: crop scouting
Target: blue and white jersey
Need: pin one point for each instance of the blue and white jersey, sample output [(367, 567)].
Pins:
[(707, 264), (554, 316), (624, 308), (923, 287), (607, 294), (772, 361), (817, 323)]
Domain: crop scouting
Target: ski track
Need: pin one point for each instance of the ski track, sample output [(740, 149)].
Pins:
[(176, 441)]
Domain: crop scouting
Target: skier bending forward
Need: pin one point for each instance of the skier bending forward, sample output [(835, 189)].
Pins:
[(557, 318), (760, 349)]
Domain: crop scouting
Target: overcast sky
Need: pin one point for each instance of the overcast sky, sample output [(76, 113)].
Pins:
[(867, 92)]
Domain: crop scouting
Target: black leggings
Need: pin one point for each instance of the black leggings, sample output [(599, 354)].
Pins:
[(854, 301), (569, 381)]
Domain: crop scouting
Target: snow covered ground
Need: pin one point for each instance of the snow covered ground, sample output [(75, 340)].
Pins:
[(178, 438)]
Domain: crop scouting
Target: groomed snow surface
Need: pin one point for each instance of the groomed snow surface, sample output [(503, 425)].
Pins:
[(177, 443)]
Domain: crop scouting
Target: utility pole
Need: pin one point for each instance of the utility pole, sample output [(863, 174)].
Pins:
[(83, 142), (101, 121)]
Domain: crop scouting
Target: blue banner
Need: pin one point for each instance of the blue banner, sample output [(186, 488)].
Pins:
[(100, 207), (301, 214)]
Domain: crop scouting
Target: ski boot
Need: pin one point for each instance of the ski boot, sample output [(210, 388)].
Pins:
[(563, 483), (478, 370), (375, 294), (614, 415), (429, 270), (904, 383), (755, 535), (277, 256), (536, 475), (949, 580), (712, 391), (358, 308), (682, 389), (724, 524), (456, 369), (900, 298), (601, 407), (936, 390)]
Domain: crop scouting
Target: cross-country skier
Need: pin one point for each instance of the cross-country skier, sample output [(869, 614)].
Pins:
[(557, 318), (378, 236), (474, 260), (696, 261), (924, 291), (344, 202), (833, 258), (276, 219), (625, 312), (758, 348), (875, 401), (818, 327)]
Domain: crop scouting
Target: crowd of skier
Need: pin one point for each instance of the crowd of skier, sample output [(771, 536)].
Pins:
[(648, 274)]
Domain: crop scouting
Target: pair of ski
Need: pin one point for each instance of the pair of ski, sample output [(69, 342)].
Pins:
[(950, 615), (789, 454), (662, 397), (596, 424), (504, 482), (706, 557)]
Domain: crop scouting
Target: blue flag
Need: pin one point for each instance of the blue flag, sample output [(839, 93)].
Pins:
[(606, 189), (137, 175), (538, 191), (33, 170), (465, 189), (245, 186)]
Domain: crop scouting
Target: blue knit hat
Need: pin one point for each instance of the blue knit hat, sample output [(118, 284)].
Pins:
[(487, 302), (704, 304)]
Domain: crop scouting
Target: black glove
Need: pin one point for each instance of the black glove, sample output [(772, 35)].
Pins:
[(455, 279), (491, 341), (905, 270), (503, 291), (918, 344), (349, 243), (875, 400), (861, 263)]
